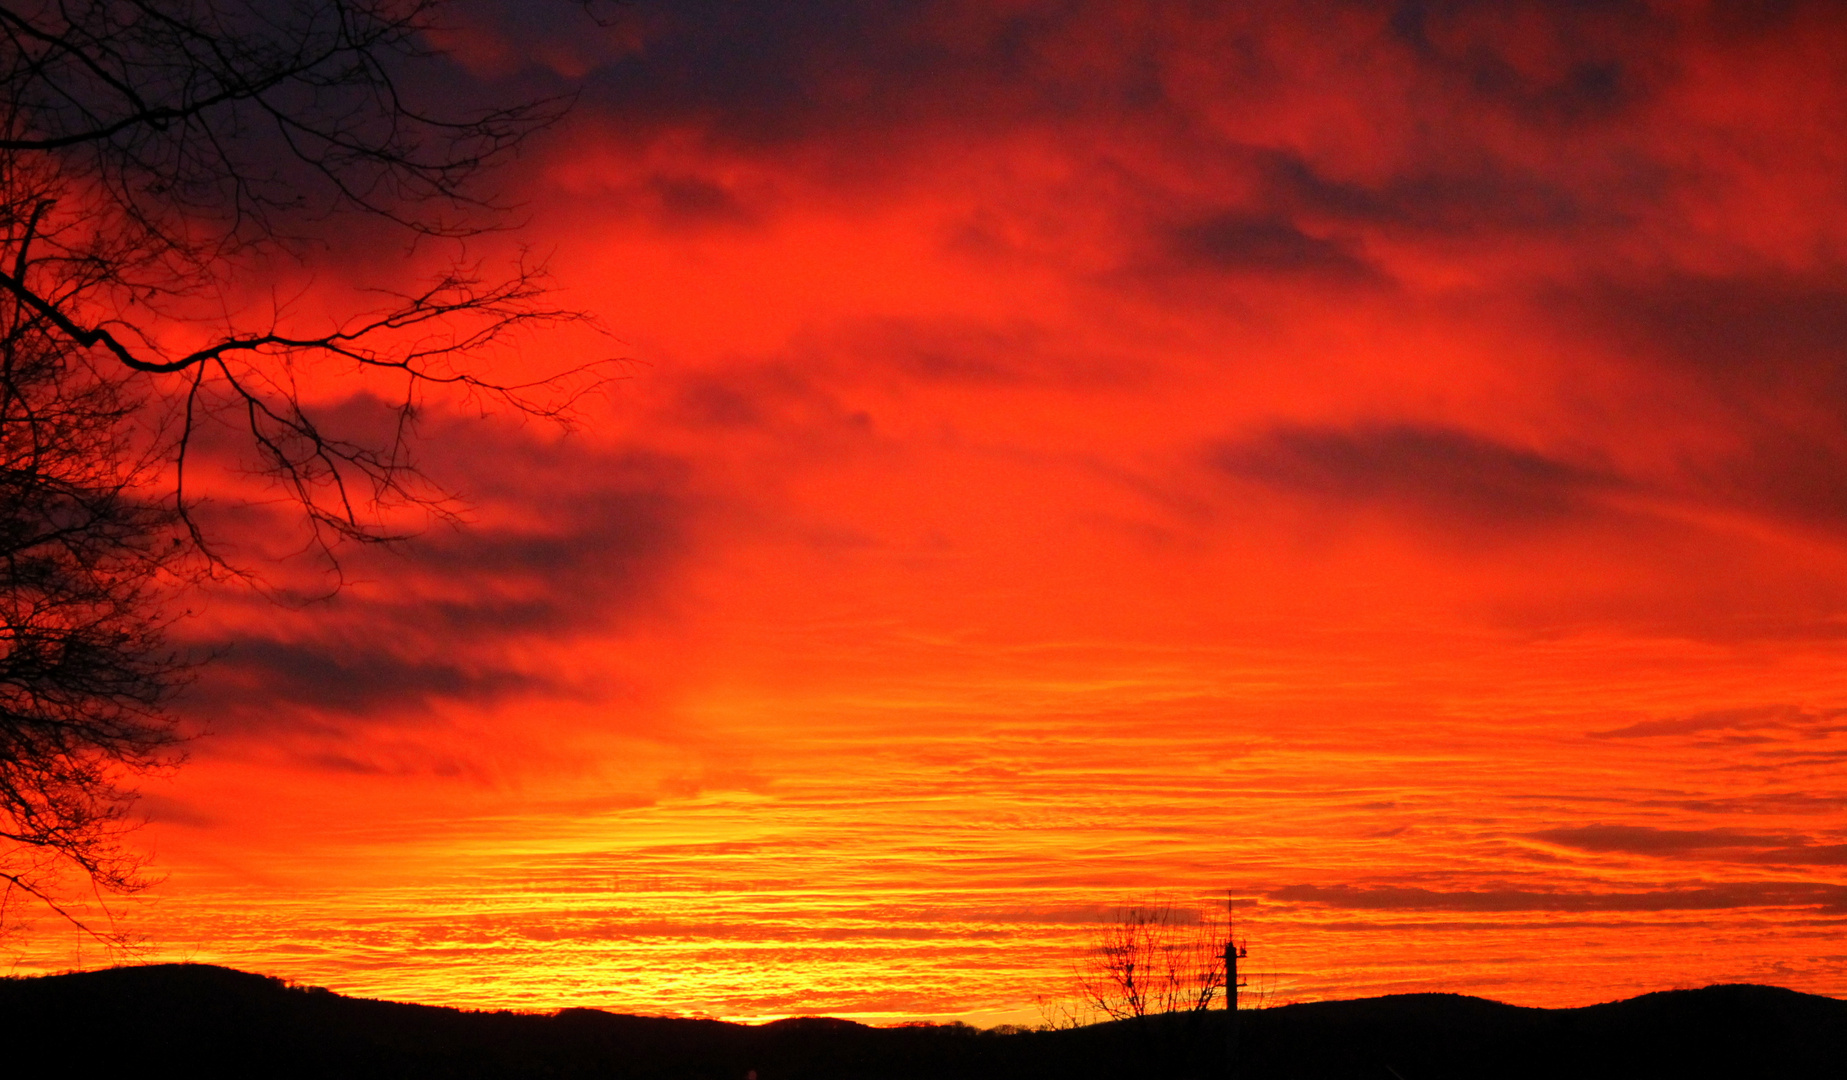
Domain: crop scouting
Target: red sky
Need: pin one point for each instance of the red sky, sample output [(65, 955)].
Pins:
[(1384, 461)]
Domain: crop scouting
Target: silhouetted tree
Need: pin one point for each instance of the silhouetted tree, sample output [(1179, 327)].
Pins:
[(84, 671), (1154, 958), (1162, 967), (157, 157)]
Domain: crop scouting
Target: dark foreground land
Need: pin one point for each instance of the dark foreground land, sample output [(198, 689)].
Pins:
[(196, 1020)]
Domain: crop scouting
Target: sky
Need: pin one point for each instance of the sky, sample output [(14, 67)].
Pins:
[(1381, 463)]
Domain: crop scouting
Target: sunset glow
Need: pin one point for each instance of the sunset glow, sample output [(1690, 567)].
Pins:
[(1385, 462)]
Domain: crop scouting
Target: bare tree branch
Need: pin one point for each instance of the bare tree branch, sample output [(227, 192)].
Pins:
[(1161, 968), (156, 156)]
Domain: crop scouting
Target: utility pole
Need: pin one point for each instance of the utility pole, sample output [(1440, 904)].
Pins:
[(1233, 953)]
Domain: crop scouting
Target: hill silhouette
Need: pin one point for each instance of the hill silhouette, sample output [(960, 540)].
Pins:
[(201, 1020)]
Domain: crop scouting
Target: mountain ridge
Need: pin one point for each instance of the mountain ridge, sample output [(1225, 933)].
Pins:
[(218, 1021)]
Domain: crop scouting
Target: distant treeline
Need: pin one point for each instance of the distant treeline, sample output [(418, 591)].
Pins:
[(197, 1020)]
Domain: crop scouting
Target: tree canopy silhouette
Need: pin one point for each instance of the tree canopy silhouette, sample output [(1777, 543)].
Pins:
[(157, 157), (1154, 958), (1161, 968), (83, 668)]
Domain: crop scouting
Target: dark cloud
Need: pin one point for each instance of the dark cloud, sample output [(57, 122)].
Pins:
[(1806, 855), (715, 403), (580, 542), (1763, 355), (1759, 717), (1723, 845), (1753, 19), (1781, 802), (1745, 331), (1485, 196), (424, 761), (1487, 109), (1556, 61), (1795, 473), (761, 75), (757, 76), (972, 352), (789, 399), (1240, 243), (1443, 474), (694, 200), (167, 810), (585, 572), (347, 677), (1642, 840), (1802, 894)]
